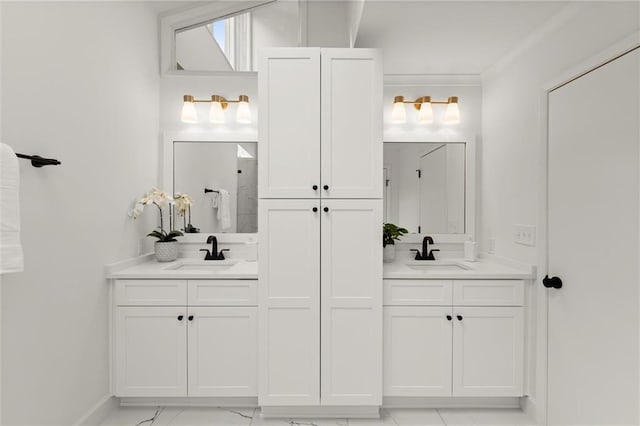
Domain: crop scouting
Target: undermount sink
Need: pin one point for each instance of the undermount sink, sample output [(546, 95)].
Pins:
[(201, 265), (438, 265)]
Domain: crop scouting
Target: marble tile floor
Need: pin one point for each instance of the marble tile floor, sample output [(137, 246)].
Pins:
[(163, 416)]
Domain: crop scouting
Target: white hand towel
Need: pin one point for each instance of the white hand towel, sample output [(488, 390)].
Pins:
[(215, 199), (11, 257), (224, 210)]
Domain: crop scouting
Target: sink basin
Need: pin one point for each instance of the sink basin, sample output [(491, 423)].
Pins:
[(438, 265), (201, 265)]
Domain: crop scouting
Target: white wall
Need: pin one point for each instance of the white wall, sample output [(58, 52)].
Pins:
[(512, 122), (80, 84), (328, 24)]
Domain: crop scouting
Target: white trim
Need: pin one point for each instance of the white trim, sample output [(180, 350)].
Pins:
[(470, 200), (451, 402), (419, 80), (360, 411), (99, 412), (248, 402)]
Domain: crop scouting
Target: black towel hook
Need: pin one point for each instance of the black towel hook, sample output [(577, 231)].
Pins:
[(37, 161)]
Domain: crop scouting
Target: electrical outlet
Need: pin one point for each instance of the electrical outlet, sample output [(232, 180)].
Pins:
[(525, 235)]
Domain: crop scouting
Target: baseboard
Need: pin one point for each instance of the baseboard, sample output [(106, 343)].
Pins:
[(190, 401), (364, 412), (450, 402), (98, 412)]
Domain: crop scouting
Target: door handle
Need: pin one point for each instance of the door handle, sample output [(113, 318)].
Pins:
[(553, 282)]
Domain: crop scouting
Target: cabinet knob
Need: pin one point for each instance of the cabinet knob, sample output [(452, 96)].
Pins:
[(180, 317), (449, 317), (190, 317), (326, 209), (326, 187), (459, 317), (315, 209), (315, 187)]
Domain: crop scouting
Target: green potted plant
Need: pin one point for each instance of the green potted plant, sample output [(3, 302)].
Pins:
[(166, 248), (391, 233)]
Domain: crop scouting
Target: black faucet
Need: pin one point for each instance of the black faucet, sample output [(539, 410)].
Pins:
[(426, 254), (213, 254)]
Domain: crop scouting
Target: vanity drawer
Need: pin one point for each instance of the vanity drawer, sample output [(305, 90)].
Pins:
[(417, 292), (223, 292), (151, 292), (488, 293)]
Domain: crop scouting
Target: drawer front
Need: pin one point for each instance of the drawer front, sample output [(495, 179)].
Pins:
[(151, 292), (223, 292), (488, 293), (417, 292)]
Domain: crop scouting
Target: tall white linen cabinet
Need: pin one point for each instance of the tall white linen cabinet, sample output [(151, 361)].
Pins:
[(320, 225)]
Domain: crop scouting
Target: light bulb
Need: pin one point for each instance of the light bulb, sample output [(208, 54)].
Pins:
[(189, 110), (452, 115), (398, 113), (425, 114), (216, 112), (243, 115)]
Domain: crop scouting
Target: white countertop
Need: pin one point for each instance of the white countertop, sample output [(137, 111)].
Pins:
[(455, 269), (147, 267)]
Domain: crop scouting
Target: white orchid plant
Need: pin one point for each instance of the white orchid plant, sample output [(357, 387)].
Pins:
[(161, 199), (183, 203)]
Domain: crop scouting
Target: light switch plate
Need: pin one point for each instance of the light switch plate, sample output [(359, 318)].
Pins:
[(525, 235)]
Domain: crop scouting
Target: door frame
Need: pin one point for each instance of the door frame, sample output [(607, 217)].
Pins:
[(541, 294)]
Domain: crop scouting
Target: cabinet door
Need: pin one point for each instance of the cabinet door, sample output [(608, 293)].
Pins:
[(351, 289), (150, 351), (289, 124), (351, 146), (223, 351), (417, 351), (488, 344), (289, 302)]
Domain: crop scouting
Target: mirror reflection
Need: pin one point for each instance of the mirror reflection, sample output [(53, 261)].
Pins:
[(231, 43), (222, 179), (424, 186)]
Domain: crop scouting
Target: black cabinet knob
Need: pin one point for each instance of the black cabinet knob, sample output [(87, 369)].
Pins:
[(190, 317), (326, 209), (553, 282), (180, 317), (449, 318), (315, 187), (315, 209), (326, 187), (459, 317)]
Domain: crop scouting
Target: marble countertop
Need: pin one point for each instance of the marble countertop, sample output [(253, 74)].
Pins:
[(146, 267), (408, 268)]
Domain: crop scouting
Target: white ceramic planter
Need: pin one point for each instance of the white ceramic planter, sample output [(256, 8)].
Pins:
[(389, 253), (166, 252)]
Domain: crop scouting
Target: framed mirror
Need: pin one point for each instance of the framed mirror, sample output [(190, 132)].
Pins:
[(221, 177), (429, 187)]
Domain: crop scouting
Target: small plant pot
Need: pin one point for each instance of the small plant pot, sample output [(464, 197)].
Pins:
[(389, 253), (166, 251)]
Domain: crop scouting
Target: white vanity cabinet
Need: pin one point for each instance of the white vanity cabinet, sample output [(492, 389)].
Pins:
[(320, 123), (176, 338), (454, 338)]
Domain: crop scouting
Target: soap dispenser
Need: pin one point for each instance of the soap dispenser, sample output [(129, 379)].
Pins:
[(470, 250)]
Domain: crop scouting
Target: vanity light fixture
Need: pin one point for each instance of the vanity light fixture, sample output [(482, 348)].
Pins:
[(216, 112), (425, 111)]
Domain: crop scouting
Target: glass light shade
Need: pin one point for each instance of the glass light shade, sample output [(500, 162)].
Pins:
[(243, 115), (452, 115), (216, 113), (398, 113), (189, 112), (425, 114)]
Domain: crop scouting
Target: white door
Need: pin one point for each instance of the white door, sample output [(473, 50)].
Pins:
[(289, 124), (593, 247), (417, 350), (289, 302), (351, 289), (150, 351), (488, 351), (351, 123), (223, 351)]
